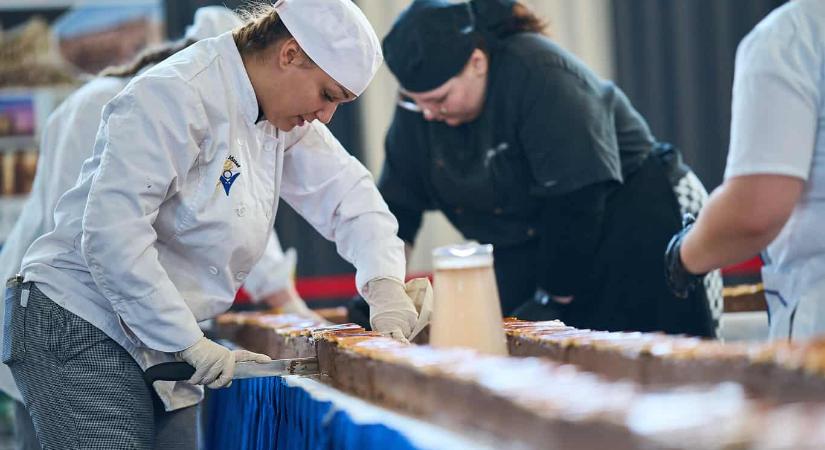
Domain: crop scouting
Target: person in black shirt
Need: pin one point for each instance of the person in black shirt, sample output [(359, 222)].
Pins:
[(522, 146)]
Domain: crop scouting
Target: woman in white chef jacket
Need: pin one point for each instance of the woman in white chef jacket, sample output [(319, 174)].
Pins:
[(773, 197), (175, 207)]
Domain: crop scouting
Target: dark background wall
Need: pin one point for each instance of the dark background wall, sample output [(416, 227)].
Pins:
[(675, 60)]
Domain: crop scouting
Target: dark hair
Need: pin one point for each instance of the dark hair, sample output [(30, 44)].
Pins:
[(521, 19), (502, 19), (524, 20), (146, 58)]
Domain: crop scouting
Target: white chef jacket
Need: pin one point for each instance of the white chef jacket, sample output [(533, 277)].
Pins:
[(778, 127), (177, 202)]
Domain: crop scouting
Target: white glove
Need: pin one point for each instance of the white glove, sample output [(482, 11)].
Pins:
[(421, 292), (215, 364), (392, 312)]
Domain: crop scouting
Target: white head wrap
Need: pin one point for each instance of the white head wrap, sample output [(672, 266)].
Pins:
[(338, 38), (211, 21)]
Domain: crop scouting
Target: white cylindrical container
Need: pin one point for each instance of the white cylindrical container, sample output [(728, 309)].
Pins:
[(466, 309)]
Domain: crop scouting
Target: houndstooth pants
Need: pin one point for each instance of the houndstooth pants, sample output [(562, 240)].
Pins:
[(692, 196), (83, 390)]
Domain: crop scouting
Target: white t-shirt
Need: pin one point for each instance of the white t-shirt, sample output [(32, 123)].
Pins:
[(777, 93), (776, 116)]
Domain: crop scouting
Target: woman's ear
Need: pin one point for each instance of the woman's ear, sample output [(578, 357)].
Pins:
[(289, 53), (479, 63)]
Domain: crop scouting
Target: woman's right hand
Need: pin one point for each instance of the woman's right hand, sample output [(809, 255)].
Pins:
[(215, 364)]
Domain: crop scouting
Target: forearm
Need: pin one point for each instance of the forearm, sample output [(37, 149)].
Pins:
[(740, 219)]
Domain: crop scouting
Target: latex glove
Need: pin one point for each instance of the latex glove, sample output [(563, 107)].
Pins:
[(391, 310), (679, 280), (215, 364), (421, 292)]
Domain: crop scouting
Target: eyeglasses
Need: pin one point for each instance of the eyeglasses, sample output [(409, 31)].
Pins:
[(407, 104)]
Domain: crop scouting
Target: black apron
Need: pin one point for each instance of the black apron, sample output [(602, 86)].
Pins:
[(641, 218)]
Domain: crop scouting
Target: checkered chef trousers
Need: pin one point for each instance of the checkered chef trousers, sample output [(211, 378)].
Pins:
[(82, 389)]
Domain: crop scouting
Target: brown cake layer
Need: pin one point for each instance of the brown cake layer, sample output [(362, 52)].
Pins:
[(463, 389), (786, 372), (278, 335), (545, 405)]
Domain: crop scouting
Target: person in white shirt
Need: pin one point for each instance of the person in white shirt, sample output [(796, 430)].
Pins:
[(773, 197), (174, 209)]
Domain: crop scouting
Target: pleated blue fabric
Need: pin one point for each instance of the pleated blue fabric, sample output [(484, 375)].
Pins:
[(267, 413)]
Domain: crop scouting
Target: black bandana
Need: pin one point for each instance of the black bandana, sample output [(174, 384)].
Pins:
[(431, 41)]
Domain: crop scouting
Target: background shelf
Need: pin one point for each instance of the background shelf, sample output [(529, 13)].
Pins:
[(10, 209)]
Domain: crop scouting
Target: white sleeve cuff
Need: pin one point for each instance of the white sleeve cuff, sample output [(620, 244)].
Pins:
[(384, 260), (766, 169)]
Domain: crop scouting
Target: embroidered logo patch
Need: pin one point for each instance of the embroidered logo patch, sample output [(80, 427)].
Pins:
[(231, 171)]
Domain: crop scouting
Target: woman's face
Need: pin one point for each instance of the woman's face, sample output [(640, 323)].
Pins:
[(292, 90), (461, 98)]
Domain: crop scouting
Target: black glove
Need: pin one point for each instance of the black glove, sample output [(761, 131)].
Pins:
[(679, 280)]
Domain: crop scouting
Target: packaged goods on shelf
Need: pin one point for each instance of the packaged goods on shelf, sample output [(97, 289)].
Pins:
[(17, 170)]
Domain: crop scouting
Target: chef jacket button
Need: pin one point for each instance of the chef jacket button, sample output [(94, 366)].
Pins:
[(213, 270), (459, 210), (269, 148), (240, 276), (531, 232), (241, 210), (269, 213), (498, 211)]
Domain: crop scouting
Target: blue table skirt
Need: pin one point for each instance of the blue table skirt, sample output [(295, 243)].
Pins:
[(268, 413)]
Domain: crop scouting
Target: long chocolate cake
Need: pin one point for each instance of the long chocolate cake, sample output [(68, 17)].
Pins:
[(537, 403)]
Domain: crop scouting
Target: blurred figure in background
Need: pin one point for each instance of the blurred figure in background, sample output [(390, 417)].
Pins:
[(773, 197)]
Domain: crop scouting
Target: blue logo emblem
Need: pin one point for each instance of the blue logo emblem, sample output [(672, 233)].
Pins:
[(231, 172)]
